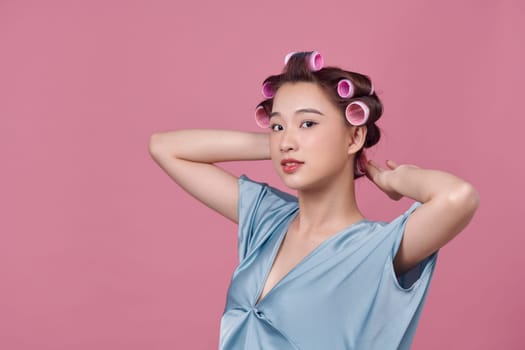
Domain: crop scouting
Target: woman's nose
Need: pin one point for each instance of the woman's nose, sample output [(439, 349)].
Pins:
[(288, 141)]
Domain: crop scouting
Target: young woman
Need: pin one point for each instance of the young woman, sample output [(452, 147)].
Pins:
[(313, 272)]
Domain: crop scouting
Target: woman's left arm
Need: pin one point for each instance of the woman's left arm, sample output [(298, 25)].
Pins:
[(448, 205)]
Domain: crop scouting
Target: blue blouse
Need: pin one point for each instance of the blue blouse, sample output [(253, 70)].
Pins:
[(343, 295)]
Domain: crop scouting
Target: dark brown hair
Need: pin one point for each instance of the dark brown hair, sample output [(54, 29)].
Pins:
[(297, 70)]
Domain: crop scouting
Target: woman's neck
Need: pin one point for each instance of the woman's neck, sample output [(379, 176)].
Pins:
[(327, 210)]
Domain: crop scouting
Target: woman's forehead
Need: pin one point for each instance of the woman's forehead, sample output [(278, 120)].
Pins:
[(301, 95)]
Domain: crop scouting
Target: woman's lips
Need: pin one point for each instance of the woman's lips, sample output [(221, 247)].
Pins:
[(291, 167)]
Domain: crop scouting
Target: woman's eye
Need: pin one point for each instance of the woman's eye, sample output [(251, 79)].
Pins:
[(305, 124), (309, 123)]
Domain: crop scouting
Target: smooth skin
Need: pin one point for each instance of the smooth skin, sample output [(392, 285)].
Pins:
[(305, 125)]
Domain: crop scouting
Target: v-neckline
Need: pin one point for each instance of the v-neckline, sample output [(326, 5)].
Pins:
[(283, 234)]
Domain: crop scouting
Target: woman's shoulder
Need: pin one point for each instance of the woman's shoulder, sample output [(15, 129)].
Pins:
[(397, 220), (248, 186)]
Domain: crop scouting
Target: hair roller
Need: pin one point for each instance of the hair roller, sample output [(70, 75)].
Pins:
[(345, 88), (357, 113), (371, 88), (288, 56), (315, 59), (261, 117), (267, 90), (361, 164)]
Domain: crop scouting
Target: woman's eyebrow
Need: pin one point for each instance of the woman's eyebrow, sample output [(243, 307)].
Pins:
[(308, 110), (302, 110)]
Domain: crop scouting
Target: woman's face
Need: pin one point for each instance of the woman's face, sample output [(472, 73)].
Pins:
[(306, 126)]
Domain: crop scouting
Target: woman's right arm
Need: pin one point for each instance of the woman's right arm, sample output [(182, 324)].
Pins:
[(187, 156)]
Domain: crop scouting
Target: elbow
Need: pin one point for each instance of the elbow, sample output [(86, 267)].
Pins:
[(465, 198), (154, 144)]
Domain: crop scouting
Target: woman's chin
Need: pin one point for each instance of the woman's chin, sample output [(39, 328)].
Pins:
[(296, 182), (291, 181)]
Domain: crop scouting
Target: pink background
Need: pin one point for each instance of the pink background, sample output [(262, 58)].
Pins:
[(99, 249)]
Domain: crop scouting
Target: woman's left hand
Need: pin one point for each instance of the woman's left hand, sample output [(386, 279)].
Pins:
[(382, 177)]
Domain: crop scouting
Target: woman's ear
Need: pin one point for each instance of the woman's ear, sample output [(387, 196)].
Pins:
[(357, 138)]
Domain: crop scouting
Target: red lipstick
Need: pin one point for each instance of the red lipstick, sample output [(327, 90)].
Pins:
[(290, 165)]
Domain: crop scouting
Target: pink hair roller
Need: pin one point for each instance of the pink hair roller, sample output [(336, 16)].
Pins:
[(315, 60), (288, 56), (267, 90), (361, 164), (261, 117), (357, 113), (345, 88)]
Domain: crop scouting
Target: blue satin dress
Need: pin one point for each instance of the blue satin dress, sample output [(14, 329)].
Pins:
[(343, 295)]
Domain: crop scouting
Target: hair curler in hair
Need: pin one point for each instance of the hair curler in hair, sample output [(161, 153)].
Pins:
[(261, 117), (288, 56), (315, 60), (267, 90), (357, 113), (345, 88), (361, 164)]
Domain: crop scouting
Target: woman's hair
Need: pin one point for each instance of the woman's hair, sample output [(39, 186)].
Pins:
[(297, 69)]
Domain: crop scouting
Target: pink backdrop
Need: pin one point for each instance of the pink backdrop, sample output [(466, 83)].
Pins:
[(99, 249)]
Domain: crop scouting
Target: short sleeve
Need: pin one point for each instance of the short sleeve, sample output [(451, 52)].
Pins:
[(424, 268), (261, 209), (398, 300)]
